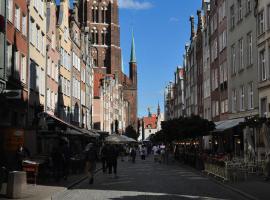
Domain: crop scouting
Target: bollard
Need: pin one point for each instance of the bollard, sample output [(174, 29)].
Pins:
[(16, 184)]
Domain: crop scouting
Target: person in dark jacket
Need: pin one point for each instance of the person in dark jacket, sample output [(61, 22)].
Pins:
[(104, 152), (112, 155), (90, 161)]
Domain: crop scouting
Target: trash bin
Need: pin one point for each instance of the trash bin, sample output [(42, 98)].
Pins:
[(16, 184)]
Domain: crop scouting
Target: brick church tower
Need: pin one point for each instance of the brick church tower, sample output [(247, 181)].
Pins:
[(101, 19)]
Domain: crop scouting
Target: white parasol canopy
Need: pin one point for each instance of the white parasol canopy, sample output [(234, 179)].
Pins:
[(115, 138)]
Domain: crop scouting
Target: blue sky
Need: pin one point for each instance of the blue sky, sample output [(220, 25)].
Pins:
[(161, 29)]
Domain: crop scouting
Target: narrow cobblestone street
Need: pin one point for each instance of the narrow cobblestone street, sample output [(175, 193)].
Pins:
[(151, 181)]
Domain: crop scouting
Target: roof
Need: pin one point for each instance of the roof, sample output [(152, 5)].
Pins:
[(133, 52), (150, 121)]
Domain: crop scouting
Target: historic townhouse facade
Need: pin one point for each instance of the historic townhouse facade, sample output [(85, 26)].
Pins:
[(262, 26), (242, 59), (53, 57), (37, 58), (78, 110), (64, 45), (13, 111), (206, 61), (218, 59)]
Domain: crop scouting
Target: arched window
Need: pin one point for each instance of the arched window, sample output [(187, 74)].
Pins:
[(93, 14), (104, 36), (97, 16), (104, 14), (94, 36)]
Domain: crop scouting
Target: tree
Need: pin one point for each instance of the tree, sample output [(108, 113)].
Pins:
[(131, 132)]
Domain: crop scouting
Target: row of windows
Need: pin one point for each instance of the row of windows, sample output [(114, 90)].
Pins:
[(52, 69), (96, 14), (76, 61), (37, 78), (104, 37), (20, 19), (65, 59), (241, 101), (249, 52), (238, 10), (223, 106), (76, 88), (37, 37), (65, 86), (19, 69), (52, 99)]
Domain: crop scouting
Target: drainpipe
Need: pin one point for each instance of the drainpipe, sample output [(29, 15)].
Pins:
[(28, 63)]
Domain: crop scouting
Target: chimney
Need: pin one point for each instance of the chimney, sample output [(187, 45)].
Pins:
[(192, 34), (199, 13)]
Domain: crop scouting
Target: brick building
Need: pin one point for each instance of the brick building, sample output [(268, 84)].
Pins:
[(102, 19)]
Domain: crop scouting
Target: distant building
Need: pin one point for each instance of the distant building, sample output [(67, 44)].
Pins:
[(151, 124)]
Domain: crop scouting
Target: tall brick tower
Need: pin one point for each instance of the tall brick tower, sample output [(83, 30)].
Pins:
[(130, 86), (101, 18)]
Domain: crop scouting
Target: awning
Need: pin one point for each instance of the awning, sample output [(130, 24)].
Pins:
[(227, 124), (90, 133)]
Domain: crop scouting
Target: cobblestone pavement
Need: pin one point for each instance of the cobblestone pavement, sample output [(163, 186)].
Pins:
[(147, 180)]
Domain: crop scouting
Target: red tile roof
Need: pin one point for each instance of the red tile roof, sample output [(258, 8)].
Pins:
[(150, 121)]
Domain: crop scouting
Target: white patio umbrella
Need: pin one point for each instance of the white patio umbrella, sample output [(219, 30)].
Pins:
[(115, 138), (128, 138)]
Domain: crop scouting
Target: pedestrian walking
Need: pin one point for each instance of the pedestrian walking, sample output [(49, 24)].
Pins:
[(90, 161), (112, 155), (155, 152), (143, 152), (104, 153), (133, 154)]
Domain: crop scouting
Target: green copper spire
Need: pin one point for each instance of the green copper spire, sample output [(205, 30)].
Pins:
[(133, 53)]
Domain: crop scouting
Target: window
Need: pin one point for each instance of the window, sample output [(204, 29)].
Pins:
[(233, 59), (9, 59), (241, 54), (43, 42), (37, 38), (23, 69), (93, 14), (250, 95), (48, 98), (232, 14), (53, 41), (262, 65), (248, 6), (10, 10), (249, 49), (104, 14), (260, 23), (32, 31), (268, 16), (240, 10), (104, 37), (242, 98), (17, 17), (17, 64), (24, 22), (56, 73), (234, 100), (49, 66)]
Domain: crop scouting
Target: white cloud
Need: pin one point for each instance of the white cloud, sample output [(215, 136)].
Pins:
[(134, 4)]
